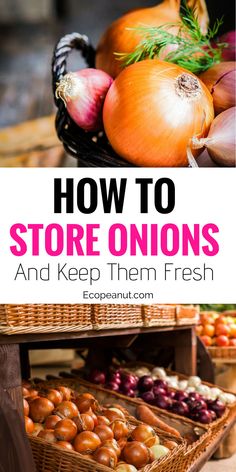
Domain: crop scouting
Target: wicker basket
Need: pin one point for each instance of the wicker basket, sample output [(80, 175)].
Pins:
[(203, 435), (50, 458), (226, 353), (187, 315), (27, 319), (159, 315), (116, 316), (215, 426)]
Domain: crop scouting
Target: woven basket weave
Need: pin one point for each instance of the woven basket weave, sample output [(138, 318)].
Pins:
[(159, 315), (116, 316), (50, 458), (187, 314), (46, 318), (41, 318), (222, 352)]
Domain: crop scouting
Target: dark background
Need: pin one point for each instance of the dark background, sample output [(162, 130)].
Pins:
[(28, 35)]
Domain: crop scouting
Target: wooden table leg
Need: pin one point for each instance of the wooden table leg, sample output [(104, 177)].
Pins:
[(186, 352)]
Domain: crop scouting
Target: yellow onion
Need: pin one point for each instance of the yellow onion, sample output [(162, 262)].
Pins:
[(220, 80), (221, 141), (152, 111), (120, 37)]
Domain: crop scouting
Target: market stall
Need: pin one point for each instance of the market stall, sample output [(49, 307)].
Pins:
[(197, 437)]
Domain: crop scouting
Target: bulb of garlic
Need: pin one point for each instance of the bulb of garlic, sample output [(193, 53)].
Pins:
[(182, 384), (194, 381), (159, 372)]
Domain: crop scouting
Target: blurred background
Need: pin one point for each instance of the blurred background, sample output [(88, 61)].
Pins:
[(29, 30)]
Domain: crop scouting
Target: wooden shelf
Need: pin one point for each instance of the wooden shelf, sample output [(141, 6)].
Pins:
[(44, 337)]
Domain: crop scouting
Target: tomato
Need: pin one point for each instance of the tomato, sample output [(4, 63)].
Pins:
[(222, 341), (206, 340), (209, 330)]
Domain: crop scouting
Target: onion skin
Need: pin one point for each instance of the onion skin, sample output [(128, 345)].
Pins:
[(229, 53), (148, 122), (65, 445), (221, 140), (66, 409), (105, 456), (51, 421), (136, 453), (65, 430), (40, 409), (83, 93), (119, 38), (87, 442), (25, 407), (221, 83), (48, 435), (29, 425)]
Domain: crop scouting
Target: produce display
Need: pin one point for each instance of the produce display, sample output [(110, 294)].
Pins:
[(217, 329), (190, 398), (101, 433), (170, 78)]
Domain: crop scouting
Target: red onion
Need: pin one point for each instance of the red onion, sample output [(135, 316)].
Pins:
[(228, 54), (97, 376), (162, 401), (145, 383), (221, 81), (218, 407), (113, 386), (221, 141), (83, 93), (198, 405), (115, 378), (130, 393), (180, 408), (204, 416), (148, 397), (159, 390), (180, 395), (194, 396)]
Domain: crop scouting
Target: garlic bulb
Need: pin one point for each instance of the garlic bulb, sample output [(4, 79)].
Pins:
[(229, 397), (182, 384), (159, 372), (141, 371), (172, 381), (203, 390), (194, 381), (215, 392)]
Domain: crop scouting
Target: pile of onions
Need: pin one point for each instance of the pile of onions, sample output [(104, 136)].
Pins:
[(221, 83), (221, 140), (120, 36), (75, 427), (152, 111)]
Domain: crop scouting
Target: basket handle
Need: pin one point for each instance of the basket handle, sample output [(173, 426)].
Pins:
[(62, 49)]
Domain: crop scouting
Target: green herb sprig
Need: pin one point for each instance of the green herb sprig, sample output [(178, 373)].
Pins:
[(194, 50)]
